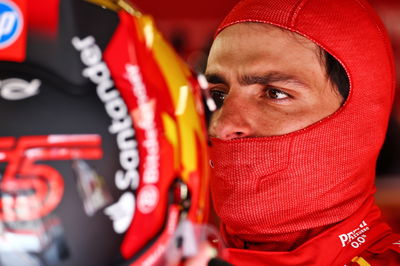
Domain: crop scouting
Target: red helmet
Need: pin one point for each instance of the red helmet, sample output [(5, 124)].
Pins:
[(103, 143)]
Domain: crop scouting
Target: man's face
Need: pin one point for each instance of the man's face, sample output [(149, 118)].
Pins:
[(267, 81)]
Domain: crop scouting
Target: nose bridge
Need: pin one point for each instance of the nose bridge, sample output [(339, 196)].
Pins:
[(233, 120), (234, 107)]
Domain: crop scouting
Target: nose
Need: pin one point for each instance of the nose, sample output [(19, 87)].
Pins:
[(232, 120)]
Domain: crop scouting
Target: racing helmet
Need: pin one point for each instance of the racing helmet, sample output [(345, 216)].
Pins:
[(103, 151)]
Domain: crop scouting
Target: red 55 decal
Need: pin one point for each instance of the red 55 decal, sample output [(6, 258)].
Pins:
[(30, 190)]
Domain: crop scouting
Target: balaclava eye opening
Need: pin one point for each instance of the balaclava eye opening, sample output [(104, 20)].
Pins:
[(336, 74)]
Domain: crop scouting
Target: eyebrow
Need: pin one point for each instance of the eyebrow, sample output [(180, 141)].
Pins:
[(270, 78), (263, 79), (215, 79)]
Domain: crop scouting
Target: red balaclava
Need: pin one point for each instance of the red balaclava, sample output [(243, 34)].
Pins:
[(283, 189)]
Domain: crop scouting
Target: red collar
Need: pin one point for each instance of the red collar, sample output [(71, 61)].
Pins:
[(335, 246)]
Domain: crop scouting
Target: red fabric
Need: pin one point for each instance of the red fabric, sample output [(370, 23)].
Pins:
[(372, 243), (284, 187), (384, 252), (44, 16)]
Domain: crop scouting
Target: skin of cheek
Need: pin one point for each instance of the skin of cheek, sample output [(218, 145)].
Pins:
[(263, 117)]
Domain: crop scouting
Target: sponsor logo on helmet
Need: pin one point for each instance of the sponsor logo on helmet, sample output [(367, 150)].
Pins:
[(121, 212), (148, 199), (18, 89), (143, 116), (11, 22), (128, 177)]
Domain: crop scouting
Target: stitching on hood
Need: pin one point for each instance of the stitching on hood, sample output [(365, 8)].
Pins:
[(295, 12)]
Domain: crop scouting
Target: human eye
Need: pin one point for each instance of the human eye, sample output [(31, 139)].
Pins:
[(276, 94), (218, 96)]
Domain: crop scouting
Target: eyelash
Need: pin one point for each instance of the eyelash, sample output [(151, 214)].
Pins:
[(219, 95), (275, 90)]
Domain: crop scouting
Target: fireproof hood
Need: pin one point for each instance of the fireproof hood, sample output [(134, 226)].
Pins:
[(324, 173)]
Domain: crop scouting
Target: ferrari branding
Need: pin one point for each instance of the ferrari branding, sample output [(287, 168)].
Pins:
[(11, 22), (356, 237), (360, 261)]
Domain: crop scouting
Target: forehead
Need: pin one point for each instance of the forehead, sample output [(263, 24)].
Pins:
[(254, 47)]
